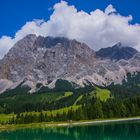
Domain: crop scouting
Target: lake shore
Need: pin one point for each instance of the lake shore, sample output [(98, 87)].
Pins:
[(62, 124)]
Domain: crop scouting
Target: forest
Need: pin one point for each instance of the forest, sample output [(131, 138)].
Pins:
[(96, 109), (84, 103)]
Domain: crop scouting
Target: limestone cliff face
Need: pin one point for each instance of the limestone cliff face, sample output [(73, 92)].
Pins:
[(19, 61), (38, 59), (46, 59)]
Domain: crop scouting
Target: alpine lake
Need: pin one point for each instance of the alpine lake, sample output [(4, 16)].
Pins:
[(128, 130)]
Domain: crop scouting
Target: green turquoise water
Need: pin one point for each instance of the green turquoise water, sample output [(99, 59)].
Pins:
[(114, 131)]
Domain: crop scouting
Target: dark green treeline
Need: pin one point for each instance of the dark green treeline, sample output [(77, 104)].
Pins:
[(95, 109)]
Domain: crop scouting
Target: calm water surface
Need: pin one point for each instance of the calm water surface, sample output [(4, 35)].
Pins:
[(114, 131)]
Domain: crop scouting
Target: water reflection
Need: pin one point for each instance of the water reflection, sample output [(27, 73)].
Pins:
[(115, 131)]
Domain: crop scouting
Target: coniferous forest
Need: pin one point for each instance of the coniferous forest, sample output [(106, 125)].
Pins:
[(64, 103), (96, 109)]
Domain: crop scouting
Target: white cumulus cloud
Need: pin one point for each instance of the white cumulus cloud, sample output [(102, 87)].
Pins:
[(110, 9), (98, 29), (5, 44)]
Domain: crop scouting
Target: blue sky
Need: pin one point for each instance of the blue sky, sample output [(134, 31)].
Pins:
[(15, 13), (98, 23)]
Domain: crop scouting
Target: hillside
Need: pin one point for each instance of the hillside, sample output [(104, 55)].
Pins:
[(58, 79)]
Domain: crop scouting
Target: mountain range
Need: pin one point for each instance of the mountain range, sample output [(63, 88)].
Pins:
[(37, 60)]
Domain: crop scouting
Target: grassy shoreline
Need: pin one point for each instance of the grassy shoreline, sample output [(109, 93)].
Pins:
[(62, 124)]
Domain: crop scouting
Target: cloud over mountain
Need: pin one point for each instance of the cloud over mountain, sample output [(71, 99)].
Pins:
[(98, 28)]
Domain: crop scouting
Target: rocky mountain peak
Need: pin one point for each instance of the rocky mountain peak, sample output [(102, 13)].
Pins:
[(117, 52), (45, 58), (36, 59), (48, 42), (118, 45)]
